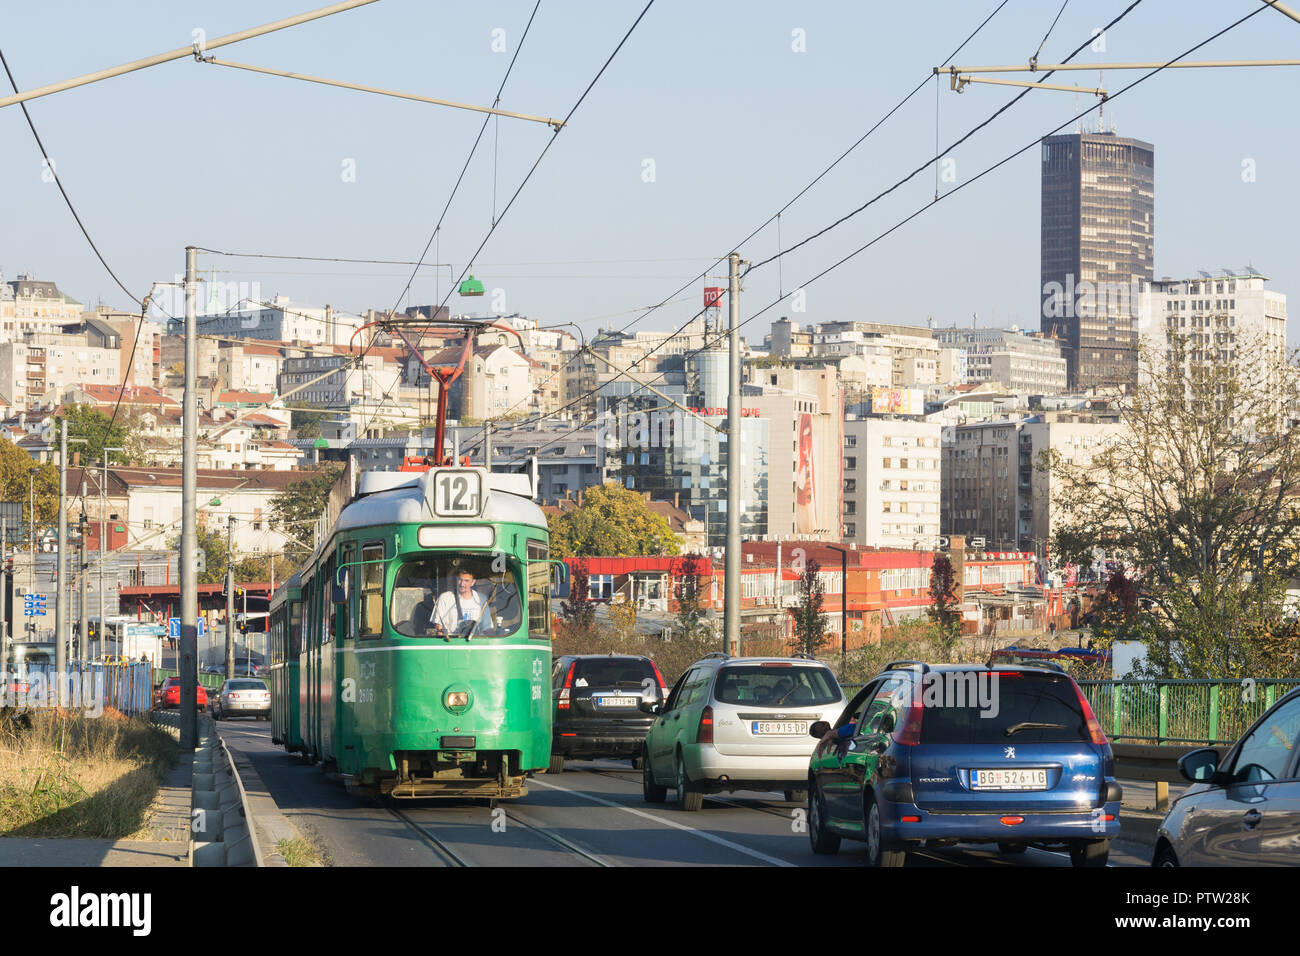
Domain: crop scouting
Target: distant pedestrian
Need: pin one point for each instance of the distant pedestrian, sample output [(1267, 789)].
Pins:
[(1051, 629)]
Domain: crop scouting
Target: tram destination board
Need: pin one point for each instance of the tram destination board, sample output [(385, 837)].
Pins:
[(458, 493)]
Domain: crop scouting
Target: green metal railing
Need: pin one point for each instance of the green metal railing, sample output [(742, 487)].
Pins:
[(208, 681), (1205, 712)]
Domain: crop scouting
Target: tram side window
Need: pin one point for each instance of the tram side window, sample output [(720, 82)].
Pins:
[(328, 608), (539, 590), (346, 576), (372, 591), (295, 629)]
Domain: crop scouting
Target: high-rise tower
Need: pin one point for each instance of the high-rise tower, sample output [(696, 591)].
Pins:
[(1098, 239)]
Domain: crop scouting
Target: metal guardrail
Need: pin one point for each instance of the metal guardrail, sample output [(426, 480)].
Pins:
[(1184, 712)]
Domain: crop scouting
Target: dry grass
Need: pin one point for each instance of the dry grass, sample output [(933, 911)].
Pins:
[(64, 775), (299, 852)]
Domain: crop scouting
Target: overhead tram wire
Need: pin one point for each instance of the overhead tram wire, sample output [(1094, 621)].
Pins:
[(49, 164), (994, 166), (672, 297), (437, 229), (939, 154), (545, 149), (986, 171)]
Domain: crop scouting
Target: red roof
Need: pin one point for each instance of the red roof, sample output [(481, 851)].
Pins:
[(252, 398)]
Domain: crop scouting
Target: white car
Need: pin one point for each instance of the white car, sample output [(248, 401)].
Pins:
[(738, 723)]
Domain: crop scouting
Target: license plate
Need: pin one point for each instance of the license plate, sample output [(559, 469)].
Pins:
[(783, 728), (1028, 778), (617, 701)]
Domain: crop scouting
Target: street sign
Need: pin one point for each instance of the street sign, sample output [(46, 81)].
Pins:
[(34, 605), (174, 627)]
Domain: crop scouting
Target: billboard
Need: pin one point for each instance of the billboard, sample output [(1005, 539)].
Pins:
[(897, 401), (805, 501)]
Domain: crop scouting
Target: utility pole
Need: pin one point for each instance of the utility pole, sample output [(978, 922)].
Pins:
[(83, 631), (230, 597), (103, 548), (731, 598), (4, 627), (61, 572), (487, 444), (187, 658)]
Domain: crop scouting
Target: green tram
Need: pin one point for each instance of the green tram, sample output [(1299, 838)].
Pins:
[(413, 650), (285, 637)]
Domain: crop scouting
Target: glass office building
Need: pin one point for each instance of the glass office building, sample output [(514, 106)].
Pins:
[(676, 457), (1098, 239)]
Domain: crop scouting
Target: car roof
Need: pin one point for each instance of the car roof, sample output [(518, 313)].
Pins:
[(978, 668)]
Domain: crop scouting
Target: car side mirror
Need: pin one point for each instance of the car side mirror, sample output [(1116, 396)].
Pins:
[(1199, 766), (819, 729)]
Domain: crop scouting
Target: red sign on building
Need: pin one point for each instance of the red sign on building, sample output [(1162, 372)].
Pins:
[(712, 295)]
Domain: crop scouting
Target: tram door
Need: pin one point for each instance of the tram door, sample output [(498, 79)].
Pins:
[(307, 672), (325, 686)]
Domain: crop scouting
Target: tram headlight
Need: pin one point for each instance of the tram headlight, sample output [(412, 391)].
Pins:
[(458, 698)]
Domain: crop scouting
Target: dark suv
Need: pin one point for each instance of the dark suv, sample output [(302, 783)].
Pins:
[(598, 706), (964, 753)]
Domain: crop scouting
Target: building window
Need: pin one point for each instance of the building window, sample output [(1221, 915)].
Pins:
[(601, 586)]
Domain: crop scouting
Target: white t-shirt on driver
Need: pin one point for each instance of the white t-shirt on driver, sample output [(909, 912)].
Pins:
[(451, 617)]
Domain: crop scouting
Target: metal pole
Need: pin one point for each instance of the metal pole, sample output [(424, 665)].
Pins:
[(83, 631), (61, 572), (103, 531), (182, 52), (187, 662), (4, 618), (487, 445), (230, 597), (731, 600)]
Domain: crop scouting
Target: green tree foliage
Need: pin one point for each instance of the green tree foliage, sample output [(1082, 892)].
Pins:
[(15, 468), (93, 425), (213, 545), (295, 510), (944, 610), (1198, 493), (809, 625), (612, 520)]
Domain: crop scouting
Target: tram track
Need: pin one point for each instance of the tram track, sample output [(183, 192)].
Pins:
[(440, 847)]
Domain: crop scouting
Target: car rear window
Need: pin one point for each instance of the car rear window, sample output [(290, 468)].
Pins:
[(246, 685), (1012, 709), (613, 672), (759, 685)]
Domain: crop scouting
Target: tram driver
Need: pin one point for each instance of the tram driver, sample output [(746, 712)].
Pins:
[(459, 611)]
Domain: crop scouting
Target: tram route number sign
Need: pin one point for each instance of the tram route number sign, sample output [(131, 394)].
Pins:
[(457, 492)]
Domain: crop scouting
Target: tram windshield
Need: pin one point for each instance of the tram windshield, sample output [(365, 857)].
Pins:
[(455, 595)]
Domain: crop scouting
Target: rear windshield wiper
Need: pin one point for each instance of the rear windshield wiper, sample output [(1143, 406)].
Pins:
[(1031, 725)]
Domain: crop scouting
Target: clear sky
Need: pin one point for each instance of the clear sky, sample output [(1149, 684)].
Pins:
[(734, 119)]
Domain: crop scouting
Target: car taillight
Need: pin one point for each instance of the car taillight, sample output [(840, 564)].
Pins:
[(663, 685), (234, 696), (704, 735), (910, 733), (1094, 728), (563, 702)]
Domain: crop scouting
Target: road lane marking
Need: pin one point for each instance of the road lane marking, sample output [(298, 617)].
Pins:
[(704, 834)]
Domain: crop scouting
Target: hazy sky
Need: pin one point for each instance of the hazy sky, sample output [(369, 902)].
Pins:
[(710, 102)]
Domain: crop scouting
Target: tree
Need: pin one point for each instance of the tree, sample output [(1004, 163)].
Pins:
[(622, 621), (809, 625), (215, 555), (689, 593), (15, 468), (1197, 493), (612, 520), (99, 430), (295, 510), (306, 423), (944, 610), (577, 612)]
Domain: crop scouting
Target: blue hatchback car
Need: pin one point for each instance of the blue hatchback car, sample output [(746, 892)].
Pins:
[(961, 753)]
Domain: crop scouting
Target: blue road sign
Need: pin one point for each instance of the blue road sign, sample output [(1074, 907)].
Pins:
[(174, 627), (34, 605)]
